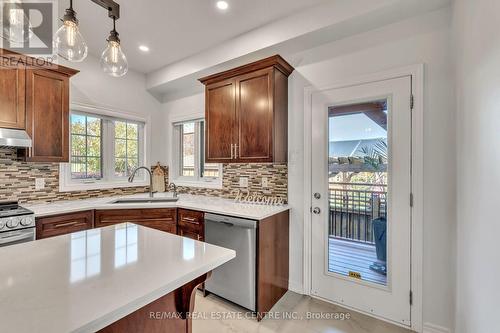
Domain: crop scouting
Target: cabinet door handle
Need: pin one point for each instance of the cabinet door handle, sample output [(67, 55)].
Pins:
[(232, 147), (189, 219), (62, 225), (236, 152)]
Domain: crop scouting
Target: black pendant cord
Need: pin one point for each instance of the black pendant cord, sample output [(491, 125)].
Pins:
[(113, 35), (70, 14)]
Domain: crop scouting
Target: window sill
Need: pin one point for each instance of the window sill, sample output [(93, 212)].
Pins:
[(197, 184), (73, 187)]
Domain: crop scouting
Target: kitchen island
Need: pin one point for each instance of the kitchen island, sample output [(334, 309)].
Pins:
[(121, 278)]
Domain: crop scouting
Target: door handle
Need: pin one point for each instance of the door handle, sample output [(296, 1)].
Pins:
[(316, 210), (17, 237), (236, 152), (67, 224), (232, 151)]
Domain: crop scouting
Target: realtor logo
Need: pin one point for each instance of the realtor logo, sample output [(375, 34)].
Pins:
[(27, 27)]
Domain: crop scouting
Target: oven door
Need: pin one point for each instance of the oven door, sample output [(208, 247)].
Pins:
[(17, 236)]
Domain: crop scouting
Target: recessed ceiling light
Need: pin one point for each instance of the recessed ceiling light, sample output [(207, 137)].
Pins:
[(222, 5), (143, 48)]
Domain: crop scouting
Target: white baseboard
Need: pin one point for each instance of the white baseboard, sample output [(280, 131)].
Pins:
[(427, 328), (296, 287), (431, 328)]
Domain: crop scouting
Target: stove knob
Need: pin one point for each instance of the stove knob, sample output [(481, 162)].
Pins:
[(12, 223), (25, 221)]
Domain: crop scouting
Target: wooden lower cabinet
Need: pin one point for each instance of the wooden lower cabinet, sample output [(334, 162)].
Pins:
[(64, 224), (272, 261), (191, 223), (164, 219)]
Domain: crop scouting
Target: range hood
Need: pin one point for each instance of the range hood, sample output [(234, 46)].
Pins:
[(14, 138)]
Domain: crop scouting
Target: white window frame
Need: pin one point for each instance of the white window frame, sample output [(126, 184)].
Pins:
[(109, 180), (196, 180)]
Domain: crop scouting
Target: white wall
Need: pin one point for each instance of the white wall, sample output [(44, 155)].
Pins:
[(420, 40), (191, 107), (127, 94), (478, 159)]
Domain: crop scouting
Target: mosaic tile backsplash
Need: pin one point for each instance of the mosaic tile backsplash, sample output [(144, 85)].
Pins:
[(17, 181), (276, 174)]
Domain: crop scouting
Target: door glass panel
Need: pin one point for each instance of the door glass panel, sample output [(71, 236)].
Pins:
[(357, 176)]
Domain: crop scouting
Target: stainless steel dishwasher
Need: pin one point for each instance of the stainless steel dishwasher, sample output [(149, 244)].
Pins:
[(235, 280)]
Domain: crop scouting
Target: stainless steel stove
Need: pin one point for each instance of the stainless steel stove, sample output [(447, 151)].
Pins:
[(17, 224)]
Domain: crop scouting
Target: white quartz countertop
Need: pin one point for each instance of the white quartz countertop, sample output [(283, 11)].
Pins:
[(84, 281), (194, 202)]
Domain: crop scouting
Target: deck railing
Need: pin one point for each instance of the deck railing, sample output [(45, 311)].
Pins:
[(353, 207)]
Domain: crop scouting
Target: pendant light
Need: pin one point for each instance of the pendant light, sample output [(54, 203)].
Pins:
[(113, 60), (68, 41), (70, 44)]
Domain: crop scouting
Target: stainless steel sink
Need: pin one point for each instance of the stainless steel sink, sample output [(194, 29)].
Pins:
[(144, 200)]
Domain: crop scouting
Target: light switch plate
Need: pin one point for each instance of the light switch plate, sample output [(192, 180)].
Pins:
[(243, 182), (264, 182), (39, 183)]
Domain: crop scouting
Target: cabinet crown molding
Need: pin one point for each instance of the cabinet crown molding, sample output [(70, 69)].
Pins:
[(32, 63), (275, 61)]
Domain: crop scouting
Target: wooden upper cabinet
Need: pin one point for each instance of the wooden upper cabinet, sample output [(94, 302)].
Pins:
[(220, 122), (12, 96), (36, 98), (47, 106), (246, 113), (255, 116), (47, 115)]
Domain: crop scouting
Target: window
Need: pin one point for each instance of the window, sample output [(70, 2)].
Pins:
[(187, 149), (126, 148), (189, 165), (104, 152), (86, 147)]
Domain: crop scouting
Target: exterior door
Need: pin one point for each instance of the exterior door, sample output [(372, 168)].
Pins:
[(361, 183)]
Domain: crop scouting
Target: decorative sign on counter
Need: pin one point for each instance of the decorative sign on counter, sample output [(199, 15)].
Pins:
[(159, 173), (257, 198)]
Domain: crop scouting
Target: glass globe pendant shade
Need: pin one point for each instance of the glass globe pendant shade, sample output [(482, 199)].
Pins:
[(13, 22), (69, 42), (113, 60)]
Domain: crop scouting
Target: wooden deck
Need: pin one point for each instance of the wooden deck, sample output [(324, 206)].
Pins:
[(345, 256)]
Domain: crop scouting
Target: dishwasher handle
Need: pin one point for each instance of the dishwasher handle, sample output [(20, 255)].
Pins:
[(230, 221)]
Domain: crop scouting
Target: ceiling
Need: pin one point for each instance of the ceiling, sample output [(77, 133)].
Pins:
[(174, 30)]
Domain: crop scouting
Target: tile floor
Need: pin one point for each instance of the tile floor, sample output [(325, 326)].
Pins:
[(209, 313)]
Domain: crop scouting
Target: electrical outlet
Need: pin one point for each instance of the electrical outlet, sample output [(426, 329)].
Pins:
[(39, 183), (243, 182), (264, 182)]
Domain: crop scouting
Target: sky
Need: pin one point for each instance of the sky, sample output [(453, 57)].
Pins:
[(354, 127)]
